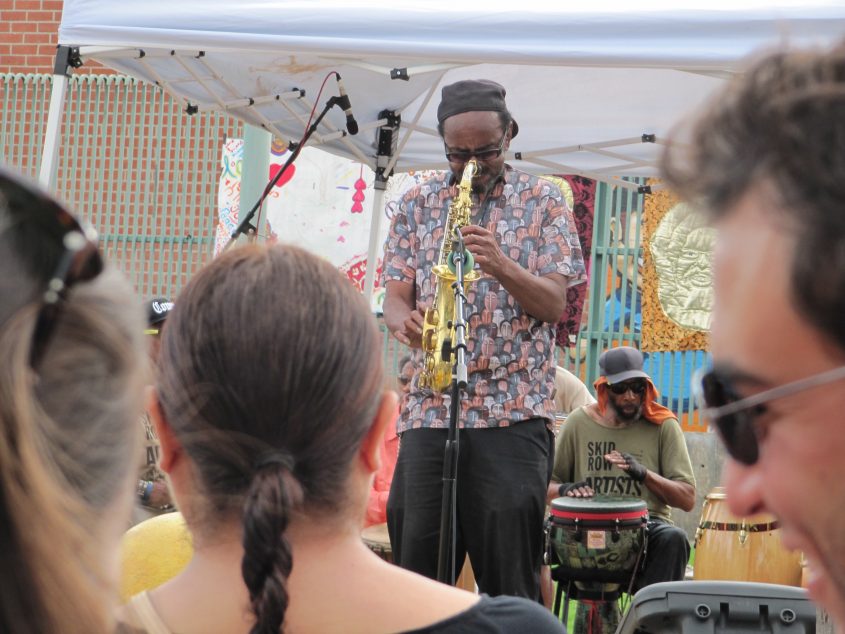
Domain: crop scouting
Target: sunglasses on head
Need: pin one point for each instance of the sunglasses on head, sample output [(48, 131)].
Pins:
[(37, 220), (480, 155), (734, 417), (637, 386)]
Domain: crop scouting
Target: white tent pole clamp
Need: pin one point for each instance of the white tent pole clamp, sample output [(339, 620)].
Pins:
[(387, 142)]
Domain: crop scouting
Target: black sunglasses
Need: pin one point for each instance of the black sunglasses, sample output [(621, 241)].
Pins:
[(734, 417), (636, 386), (48, 238), (481, 155)]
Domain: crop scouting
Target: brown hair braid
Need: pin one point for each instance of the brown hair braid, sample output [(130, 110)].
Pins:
[(271, 374)]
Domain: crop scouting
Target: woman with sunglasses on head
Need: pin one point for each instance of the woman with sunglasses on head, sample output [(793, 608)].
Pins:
[(71, 391), (628, 445), (270, 411)]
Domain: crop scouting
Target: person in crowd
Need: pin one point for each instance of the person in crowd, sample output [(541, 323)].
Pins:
[(71, 386), (628, 445), (766, 162), (377, 504), (570, 392), (270, 410), (507, 416), (153, 494)]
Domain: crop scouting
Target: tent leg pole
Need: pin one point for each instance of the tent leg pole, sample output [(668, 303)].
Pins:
[(67, 58), (375, 232)]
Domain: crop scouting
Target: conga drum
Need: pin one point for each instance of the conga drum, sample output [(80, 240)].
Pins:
[(560, 419), (805, 573), (599, 542), (377, 539), (600, 545), (741, 548)]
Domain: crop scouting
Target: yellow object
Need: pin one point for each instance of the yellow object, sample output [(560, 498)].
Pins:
[(152, 552), (438, 332)]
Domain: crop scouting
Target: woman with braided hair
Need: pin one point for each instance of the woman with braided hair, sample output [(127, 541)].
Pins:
[(270, 409)]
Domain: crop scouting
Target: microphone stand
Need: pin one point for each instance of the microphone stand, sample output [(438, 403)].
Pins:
[(448, 509), (245, 225)]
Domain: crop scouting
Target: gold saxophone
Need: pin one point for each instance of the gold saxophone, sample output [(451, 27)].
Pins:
[(438, 327)]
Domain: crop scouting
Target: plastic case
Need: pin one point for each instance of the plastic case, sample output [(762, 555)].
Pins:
[(723, 607)]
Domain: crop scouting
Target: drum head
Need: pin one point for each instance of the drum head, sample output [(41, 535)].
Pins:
[(599, 505)]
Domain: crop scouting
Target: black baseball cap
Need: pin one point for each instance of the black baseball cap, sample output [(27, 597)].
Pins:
[(157, 311)]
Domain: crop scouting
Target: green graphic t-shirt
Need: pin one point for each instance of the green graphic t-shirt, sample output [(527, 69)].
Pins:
[(660, 448)]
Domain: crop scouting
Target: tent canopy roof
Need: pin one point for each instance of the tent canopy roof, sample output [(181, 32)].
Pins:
[(585, 84)]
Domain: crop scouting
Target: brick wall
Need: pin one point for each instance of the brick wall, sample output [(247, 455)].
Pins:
[(130, 160), (29, 32)]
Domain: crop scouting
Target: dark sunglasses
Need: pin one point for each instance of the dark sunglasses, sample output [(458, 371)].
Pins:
[(637, 387), (39, 223), (481, 155), (734, 417)]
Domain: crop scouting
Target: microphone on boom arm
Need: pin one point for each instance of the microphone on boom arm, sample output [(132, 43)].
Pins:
[(346, 106)]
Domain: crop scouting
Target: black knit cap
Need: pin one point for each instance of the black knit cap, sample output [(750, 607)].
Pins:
[(473, 95)]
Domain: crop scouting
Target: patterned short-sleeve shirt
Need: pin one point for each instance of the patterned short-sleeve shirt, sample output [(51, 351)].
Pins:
[(509, 353)]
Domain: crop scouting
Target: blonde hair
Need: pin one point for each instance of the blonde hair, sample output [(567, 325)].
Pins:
[(69, 436)]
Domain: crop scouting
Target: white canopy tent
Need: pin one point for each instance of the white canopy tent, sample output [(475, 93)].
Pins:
[(593, 88)]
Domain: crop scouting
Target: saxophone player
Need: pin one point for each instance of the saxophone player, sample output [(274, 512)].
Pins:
[(507, 415)]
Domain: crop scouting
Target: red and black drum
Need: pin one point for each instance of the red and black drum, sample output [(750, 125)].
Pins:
[(600, 542)]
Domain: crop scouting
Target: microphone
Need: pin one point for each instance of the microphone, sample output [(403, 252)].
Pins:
[(460, 252), (343, 102)]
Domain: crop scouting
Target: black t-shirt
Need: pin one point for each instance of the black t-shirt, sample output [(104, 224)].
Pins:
[(500, 615)]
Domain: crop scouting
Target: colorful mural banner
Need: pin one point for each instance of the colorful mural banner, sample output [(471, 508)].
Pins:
[(580, 194), (322, 203), (677, 280)]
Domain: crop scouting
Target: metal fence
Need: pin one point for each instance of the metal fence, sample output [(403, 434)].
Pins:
[(132, 163), (614, 314)]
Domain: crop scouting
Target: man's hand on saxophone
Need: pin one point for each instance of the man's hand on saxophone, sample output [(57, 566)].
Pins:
[(403, 316), (411, 333), (485, 249)]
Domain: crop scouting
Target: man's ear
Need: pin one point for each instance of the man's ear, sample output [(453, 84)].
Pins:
[(170, 451), (386, 414)]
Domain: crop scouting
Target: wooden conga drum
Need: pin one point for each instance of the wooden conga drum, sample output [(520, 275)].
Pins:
[(741, 548), (377, 539)]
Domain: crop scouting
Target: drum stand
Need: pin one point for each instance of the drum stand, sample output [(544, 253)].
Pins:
[(603, 615), (448, 509)]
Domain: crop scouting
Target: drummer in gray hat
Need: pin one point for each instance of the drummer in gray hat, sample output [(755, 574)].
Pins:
[(507, 414), (629, 445)]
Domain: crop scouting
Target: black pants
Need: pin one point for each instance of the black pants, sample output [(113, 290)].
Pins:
[(667, 556), (502, 478)]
